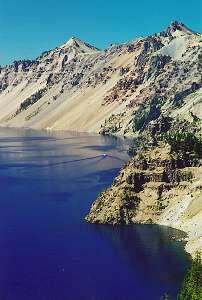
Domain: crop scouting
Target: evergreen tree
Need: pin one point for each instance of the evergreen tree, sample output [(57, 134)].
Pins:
[(192, 285)]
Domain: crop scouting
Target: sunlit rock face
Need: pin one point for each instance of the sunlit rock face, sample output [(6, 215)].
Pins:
[(156, 186), (120, 90)]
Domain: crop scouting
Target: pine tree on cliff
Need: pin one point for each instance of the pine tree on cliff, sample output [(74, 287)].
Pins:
[(192, 286)]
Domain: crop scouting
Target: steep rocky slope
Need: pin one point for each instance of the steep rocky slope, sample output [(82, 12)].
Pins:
[(156, 186), (118, 90)]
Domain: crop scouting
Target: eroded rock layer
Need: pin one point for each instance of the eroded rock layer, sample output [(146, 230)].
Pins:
[(156, 186)]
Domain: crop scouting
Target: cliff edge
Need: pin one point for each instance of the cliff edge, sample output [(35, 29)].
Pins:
[(158, 185)]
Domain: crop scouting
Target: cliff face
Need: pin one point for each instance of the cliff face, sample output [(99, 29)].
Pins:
[(156, 186), (119, 90)]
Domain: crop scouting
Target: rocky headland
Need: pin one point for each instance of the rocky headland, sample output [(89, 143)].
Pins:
[(161, 184)]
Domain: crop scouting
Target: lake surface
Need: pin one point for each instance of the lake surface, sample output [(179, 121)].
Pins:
[(48, 182)]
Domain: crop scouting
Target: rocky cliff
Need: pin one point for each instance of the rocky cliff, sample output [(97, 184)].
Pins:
[(159, 186)]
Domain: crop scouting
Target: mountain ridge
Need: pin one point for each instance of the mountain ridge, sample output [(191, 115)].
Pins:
[(76, 73), (174, 25)]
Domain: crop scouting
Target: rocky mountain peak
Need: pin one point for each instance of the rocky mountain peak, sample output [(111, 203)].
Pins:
[(74, 41), (79, 44), (178, 26)]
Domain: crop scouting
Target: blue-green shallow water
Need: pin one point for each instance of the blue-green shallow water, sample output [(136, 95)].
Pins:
[(47, 251)]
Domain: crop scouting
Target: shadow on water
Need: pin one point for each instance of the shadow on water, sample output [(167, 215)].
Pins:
[(146, 249)]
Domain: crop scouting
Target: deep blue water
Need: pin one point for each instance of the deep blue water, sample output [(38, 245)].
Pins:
[(47, 251)]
